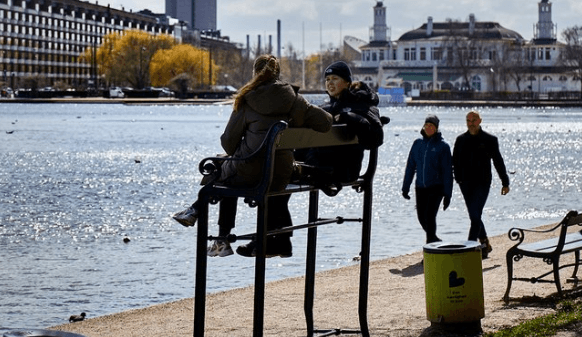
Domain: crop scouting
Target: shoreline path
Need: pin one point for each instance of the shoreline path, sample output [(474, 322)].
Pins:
[(396, 303)]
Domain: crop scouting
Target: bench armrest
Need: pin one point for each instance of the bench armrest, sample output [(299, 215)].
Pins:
[(518, 234)]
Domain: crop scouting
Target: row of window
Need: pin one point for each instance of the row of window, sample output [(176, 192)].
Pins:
[(16, 56), (64, 71), (6, 29), (8, 43), (436, 54), (76, 23)]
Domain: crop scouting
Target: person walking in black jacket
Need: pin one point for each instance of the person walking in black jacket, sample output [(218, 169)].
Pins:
[(472, 155)]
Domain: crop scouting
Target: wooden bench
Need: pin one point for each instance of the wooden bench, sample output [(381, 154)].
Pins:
[(550, 250), (280, 137)]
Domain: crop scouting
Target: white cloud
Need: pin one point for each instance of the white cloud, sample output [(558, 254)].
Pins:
[(237, 18)]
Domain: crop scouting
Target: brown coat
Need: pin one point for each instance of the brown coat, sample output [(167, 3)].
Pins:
[(247, 127)]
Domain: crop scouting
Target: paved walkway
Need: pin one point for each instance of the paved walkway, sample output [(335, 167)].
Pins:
[(396, 303)]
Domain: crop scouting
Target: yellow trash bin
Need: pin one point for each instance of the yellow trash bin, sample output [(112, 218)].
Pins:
[(453, 277)]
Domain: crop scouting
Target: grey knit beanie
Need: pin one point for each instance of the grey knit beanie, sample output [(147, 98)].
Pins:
[(433, 119)]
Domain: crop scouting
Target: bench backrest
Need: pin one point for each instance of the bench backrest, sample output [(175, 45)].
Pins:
[(571, 219), (301, 138), (281, 137)]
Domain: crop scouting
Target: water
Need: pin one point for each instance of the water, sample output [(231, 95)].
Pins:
[(71, 189)]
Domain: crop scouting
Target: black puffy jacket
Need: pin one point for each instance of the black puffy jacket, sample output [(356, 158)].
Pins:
[(357, 108)]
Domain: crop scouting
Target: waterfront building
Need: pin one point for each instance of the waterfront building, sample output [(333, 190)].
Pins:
[(39, 37), (474, 55)]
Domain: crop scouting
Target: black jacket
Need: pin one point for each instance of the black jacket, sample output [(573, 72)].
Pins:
[(357, 108), (472, 156)]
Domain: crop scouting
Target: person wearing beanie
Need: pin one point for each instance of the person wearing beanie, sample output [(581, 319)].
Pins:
[(472, 156), (355, 104), (430, 159)]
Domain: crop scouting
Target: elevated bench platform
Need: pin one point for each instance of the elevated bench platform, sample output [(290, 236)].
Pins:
[(281, 137), (550, 250)]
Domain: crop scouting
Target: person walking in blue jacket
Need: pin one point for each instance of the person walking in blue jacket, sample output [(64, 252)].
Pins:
[(430, 158)]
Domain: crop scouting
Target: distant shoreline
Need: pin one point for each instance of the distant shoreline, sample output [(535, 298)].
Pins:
[(174, 101)]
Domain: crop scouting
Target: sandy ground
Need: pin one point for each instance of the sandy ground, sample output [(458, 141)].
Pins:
[(396, 303)]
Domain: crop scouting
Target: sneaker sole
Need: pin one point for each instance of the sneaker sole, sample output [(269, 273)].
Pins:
[(183, 222)]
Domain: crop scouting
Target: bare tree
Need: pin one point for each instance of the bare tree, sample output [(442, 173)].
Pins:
[(572, 53), (291, 66), (236, 68), (510, 63), (464, 50)]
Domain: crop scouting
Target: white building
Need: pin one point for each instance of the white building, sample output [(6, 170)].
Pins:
[(473, 55)]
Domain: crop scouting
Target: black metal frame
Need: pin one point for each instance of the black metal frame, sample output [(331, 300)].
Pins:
[(280, 137)]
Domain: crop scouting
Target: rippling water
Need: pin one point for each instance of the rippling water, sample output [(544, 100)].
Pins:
[(75, 180)]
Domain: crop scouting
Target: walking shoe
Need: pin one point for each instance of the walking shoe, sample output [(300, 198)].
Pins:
[(219, 248), (485, 248), (276, 246), (187, 217)]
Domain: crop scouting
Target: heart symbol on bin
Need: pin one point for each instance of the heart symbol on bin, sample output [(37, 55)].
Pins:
[(455, 281)]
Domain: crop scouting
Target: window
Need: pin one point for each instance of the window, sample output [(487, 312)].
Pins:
[(476, 83), (406, 54), (563, 78), (548, 54), (413, 54), (493, 55), (374, 57), (436, 54), (547, 78), (422, 54)]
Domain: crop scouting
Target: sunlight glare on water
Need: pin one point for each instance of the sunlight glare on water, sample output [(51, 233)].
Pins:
[(76, 180)]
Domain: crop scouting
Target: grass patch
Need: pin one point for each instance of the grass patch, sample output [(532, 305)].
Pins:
[(567, 316)]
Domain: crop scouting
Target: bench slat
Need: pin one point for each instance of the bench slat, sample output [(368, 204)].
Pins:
[(573, 242), (300, 138)]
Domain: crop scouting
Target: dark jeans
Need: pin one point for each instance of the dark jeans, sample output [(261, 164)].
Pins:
[(475, 196), (428, 201), (278, 215)]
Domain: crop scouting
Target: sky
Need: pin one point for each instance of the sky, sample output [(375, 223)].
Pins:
[(309, 24)]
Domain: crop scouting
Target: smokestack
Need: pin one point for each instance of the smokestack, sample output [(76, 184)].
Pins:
[(259, 46), (270, 48), (429, 26), (471, 24), (278, 39), (248, 45)]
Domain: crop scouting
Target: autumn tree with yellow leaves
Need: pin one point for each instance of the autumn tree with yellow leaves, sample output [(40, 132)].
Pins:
[(184, 60), (125, 58)]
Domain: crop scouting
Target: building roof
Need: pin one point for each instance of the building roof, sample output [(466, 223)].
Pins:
[(376, 44), (353, 42), (483, 30), (544, 41)]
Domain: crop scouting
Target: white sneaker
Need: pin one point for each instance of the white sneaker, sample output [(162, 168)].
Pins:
[(219, 248)]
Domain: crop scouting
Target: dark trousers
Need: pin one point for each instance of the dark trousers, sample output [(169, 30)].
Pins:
[(428, 201), (278, 215), (475, 196)]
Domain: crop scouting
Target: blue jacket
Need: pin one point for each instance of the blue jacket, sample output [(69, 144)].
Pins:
[(430, 158)]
